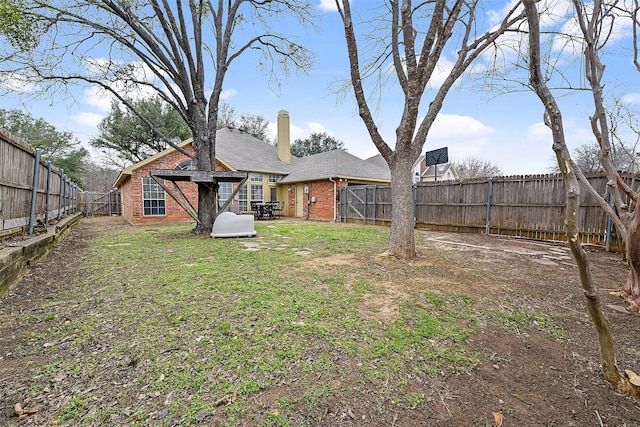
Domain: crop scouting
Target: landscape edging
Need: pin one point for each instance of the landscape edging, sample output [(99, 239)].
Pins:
[(16, 259)]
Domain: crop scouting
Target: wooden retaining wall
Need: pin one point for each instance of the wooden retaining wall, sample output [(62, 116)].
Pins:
[(18, 257)]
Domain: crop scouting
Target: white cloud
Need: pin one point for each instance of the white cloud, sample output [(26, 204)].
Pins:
[(98, 98), (570, 36), (296, 132), (17, 83), (463, 135), (538, 133), (316, 127), (87, 119), (228, 93), (441, 72), (328, 6), (632, 98)]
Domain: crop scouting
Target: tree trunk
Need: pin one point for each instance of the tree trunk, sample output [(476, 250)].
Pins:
[(206, 208), (402, 240), (631, 291), (204, 147), (553, 119)]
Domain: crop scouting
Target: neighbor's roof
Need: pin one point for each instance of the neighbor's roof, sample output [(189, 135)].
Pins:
[(236, 150), (378, 160), (335, 164)]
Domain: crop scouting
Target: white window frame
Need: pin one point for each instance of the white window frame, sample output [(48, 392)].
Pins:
[(151, 188)]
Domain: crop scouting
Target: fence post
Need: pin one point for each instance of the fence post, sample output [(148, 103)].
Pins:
[(48, 197), (375, 199), (109, 202), (414, 191), (86, 204), (34, 191), (61, 172), (343, 195), (489, 194), (364, 209)]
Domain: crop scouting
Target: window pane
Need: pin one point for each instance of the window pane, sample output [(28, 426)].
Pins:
[(242, 199), (224, 192), (256, 193), (153, 197)]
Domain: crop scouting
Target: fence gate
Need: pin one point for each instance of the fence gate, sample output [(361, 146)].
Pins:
[(353, 203), (101, 203)]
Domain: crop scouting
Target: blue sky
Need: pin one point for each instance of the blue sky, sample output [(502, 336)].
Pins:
[(506, 130)]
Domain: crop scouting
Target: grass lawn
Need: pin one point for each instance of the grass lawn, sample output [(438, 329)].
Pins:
[(302, 325)]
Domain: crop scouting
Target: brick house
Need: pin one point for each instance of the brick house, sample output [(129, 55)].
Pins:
[(307, 186)]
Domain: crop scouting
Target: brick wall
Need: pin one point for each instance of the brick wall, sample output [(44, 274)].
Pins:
[(132, 197), (133, 207), (325, 199)]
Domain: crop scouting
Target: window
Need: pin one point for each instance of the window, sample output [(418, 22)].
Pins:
[(224, 192), (153, 197), (242, 199), (256, 193), (187, 165), (274, 178), (273, 194), (255, 177)]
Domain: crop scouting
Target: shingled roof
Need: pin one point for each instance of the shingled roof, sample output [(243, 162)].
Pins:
[(335, 164), (244, 152)]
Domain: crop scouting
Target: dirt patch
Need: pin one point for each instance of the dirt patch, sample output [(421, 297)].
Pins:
[(527, 377)]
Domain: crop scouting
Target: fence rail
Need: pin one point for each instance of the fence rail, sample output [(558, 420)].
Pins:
[(525, 206), (32, 190)]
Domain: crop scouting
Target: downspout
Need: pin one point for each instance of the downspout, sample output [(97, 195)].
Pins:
[(335, 198)]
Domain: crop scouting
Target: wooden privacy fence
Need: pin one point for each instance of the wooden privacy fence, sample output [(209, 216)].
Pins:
[(32, 190), (524, 206), (92, 203)]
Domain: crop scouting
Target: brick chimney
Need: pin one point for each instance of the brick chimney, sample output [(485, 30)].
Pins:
[(284, 143)]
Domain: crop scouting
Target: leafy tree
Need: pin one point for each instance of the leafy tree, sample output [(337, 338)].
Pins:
[(126, 138), (18, 27), (59, 147), (254, 125), (405, 42), (473, 167), (180, 51), (317, 142)]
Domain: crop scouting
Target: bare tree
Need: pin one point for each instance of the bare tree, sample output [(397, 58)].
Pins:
[(587, 158), (411, 39), (473, 167), (227, 115), (590, 27), (180, 51)]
